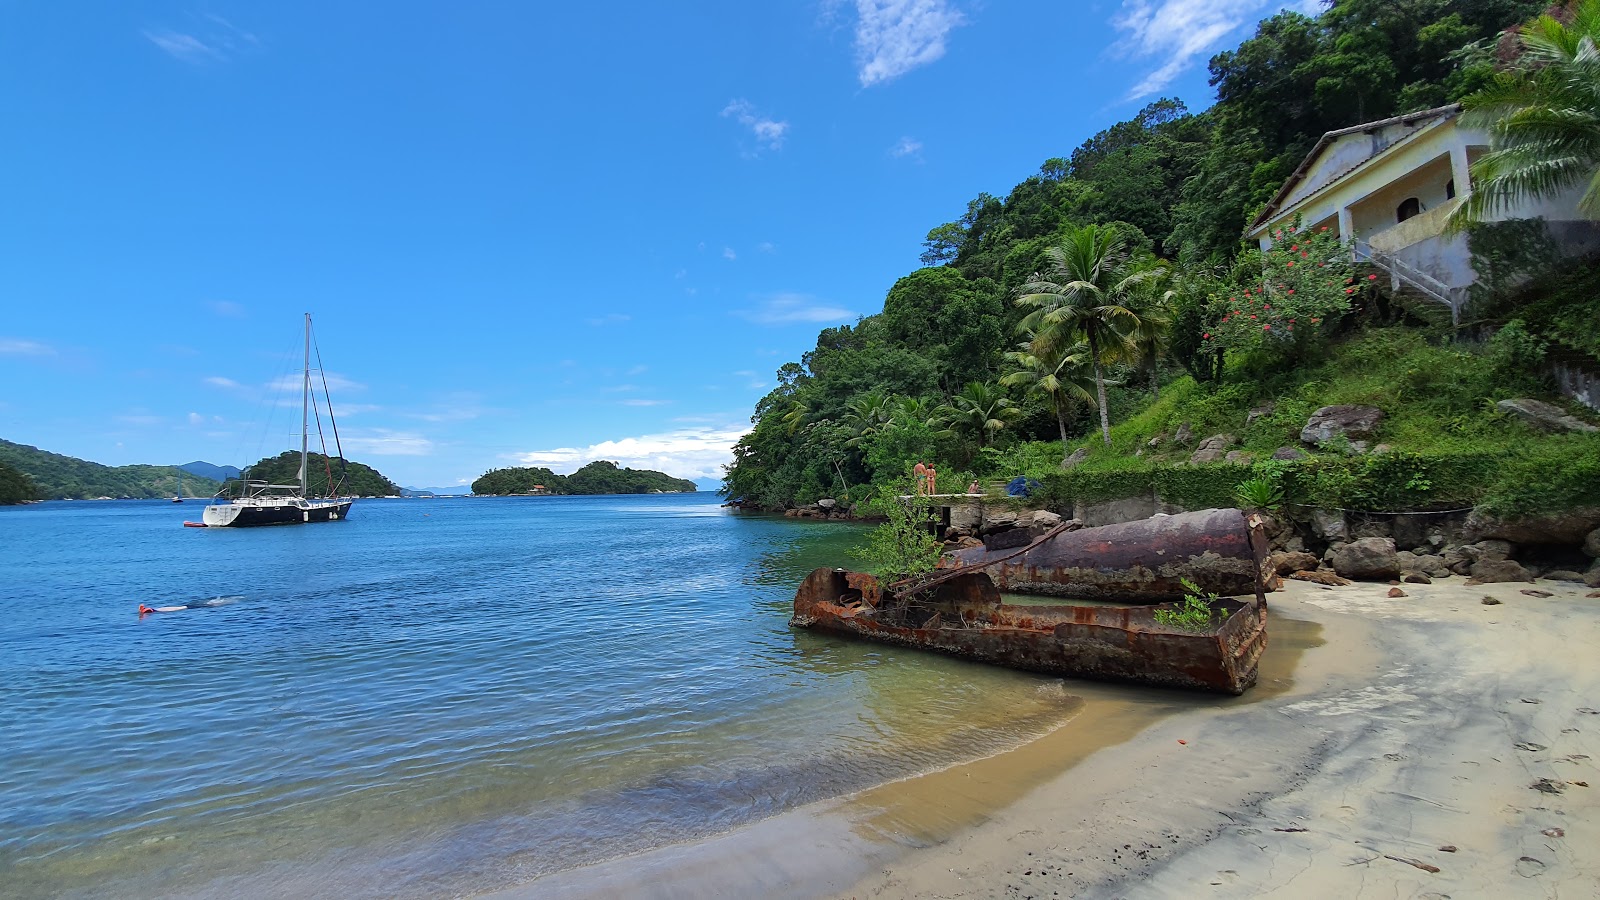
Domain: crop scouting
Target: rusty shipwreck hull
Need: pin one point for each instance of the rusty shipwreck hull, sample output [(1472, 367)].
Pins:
[(1220, 550), (965, 617)]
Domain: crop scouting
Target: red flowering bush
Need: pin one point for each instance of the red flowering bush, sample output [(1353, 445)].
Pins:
[(1284, 299)]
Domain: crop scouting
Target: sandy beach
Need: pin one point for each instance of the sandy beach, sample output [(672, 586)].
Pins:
[(1421, 747), (1433, 746)]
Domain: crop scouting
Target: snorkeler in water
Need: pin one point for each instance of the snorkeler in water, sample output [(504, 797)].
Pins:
[(192, 604)]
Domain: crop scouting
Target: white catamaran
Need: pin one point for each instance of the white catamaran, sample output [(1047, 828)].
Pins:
[(261, 503)]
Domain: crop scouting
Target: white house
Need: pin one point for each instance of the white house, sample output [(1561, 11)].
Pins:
[(1387, 188)]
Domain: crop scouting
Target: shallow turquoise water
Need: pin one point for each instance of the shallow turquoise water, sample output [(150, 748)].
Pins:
[(437, 697)]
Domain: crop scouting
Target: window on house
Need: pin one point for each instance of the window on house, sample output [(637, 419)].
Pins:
[(1409, 208), (1450, 189)]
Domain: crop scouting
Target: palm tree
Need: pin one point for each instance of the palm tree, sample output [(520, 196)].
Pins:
[(1085, 293), (866, 414), (980, 410), (1543, 119), (795, 415), (1059, 372), (1147, 341)]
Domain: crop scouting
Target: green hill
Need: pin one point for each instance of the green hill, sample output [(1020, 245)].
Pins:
[(598, 477), (15, 487), (58, 477), (349, 478)]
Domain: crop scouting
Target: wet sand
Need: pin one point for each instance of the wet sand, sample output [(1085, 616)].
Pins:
[(1382, 730)]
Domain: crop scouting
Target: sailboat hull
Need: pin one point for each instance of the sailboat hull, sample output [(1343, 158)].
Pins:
[(244, 515)]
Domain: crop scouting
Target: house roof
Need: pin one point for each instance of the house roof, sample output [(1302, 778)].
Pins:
[(1327, 140)]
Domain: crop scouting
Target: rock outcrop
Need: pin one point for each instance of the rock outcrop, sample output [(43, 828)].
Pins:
[(1211, 449), (1567, 527), (1543, 416), (1347, 421)]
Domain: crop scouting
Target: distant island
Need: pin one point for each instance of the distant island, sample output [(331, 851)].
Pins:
[(598, 477), (349, 479), (210, 470), (52, 476)]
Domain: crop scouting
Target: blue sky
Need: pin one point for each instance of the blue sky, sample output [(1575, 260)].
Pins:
[(529, 233)]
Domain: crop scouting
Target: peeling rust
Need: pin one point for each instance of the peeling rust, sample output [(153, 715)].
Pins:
[(1218, 549), (964, 615)]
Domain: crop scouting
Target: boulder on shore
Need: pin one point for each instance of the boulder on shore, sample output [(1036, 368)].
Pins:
[(1347, 421), (1591, 544), (1289, 453), (1495, 571), (1368, 559), (1288, 563)]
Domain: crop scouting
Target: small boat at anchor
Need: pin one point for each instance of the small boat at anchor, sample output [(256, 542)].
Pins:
[(263, 503), (960, 612)]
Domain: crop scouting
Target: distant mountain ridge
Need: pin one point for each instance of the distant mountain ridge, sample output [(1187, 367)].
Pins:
[(58, 477), (461, 489), (210, 470)]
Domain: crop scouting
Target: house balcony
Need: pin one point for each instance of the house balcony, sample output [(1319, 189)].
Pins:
[(1415, 230)]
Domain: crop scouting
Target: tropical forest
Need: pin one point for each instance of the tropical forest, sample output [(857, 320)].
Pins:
[(599, 477), (1100, 325)]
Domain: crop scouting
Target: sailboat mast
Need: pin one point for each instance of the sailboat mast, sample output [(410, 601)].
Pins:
[(305, 404)]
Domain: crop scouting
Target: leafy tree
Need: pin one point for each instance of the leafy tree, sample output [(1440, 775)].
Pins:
[(605, 477), (1543, 117), (904, 546), (57, 477), (1085, 293)]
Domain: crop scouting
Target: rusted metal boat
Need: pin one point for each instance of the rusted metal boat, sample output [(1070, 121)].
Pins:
[(1218, 549), (961, 613)]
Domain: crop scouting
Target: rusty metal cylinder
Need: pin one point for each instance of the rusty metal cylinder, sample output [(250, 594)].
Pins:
[(1219, 550)]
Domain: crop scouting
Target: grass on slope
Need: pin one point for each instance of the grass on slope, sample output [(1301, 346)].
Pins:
[(1449, 445)]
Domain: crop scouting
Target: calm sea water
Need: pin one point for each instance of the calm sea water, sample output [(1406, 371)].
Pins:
[(437, 697)]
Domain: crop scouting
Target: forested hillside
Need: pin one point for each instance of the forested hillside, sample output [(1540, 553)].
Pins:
[(598, 477), (1119, 268), (348, 479), (57, 477), (15, 487)]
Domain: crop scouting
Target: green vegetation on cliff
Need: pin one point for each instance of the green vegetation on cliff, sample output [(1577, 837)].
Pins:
[(15, 487), (350, 479), (58, 477), (1112, 289), (598, 477)]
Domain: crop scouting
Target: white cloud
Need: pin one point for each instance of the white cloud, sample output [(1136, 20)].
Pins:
[(768, 132), (766, 247), (226, 308), (641, 402), (384, 442), (196, 419), (695, 452), (219, 381), (907, 147), (293, 382), (787, 309), (895, 36), (213, 40), (140, 419), (18, 347), (728, 254), (1180, 32), (185, 47)]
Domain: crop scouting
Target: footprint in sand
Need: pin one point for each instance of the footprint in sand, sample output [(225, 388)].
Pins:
[(1528, 867), (1529, 745)]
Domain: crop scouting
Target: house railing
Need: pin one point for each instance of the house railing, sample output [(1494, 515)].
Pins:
[(1402, 273)]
